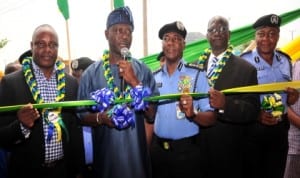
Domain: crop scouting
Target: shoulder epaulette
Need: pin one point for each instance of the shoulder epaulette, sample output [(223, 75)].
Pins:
[(247, 52), (157, 70), (192, 65), (288, 57), (284, 54)]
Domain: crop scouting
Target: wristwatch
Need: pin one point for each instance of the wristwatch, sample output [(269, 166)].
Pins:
[(221, 111)]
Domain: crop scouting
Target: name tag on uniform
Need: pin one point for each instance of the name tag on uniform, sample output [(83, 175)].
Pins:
[(179, 113), (159, 85)]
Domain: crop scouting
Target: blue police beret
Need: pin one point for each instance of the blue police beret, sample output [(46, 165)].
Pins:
[(176, 26), (271, 20), (120, 15)]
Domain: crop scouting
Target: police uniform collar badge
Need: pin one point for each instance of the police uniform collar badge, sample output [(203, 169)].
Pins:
[(159, 84)]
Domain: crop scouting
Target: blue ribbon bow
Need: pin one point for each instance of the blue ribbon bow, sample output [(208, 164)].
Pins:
[(137, 94)]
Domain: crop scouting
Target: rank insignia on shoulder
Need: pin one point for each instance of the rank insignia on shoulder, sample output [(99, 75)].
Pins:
[(280, 56), (192, 65), (201, 66)]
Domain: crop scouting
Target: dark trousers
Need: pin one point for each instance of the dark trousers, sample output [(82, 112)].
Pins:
[(3, 163), (175, 158), (88, 171), (266, 150), (54, 170), (222, 147)]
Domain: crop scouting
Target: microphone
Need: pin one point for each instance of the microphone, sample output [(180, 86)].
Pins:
[(125, 54)]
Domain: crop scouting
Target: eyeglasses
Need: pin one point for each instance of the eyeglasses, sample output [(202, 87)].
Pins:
[(215, 30), (51, 45)]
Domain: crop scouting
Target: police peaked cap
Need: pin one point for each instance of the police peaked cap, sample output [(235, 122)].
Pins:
[(271, 20), (176, 26), (81, 63)]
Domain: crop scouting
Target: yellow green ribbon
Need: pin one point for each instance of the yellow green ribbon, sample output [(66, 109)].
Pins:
[(55, 122), (58, 129), (261, 88), (264, 88)]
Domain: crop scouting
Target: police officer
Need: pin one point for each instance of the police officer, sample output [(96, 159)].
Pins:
[(174, 150), (79, 65), (267, 140)]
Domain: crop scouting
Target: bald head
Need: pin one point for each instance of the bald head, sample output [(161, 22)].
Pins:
[(218, 19), (218, 34), (43, 28)]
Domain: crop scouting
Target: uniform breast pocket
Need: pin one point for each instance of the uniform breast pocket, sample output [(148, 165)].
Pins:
[(286, 75), (263, 77)]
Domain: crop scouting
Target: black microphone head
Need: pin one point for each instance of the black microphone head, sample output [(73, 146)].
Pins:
[(125, 52)]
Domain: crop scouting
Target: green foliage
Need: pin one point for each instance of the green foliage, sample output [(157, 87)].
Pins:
[(240, 36), (3, 42)]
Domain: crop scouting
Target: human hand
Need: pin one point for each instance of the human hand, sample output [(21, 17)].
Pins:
[(27, 115), (104, 119), (292, 95), (126, 71), (216, 99), (267, 118), (186, 105), (150, 112)]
